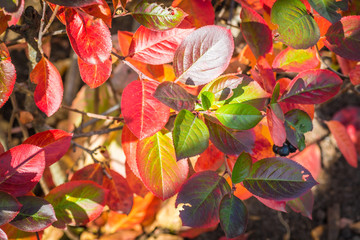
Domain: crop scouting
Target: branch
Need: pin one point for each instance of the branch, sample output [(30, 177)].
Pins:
[(330, 68), (15, 113), (41, 29), (51, 19), (99, 132), (93, 115)]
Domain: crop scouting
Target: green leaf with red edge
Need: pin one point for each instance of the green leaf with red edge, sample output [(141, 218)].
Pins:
[(303, 204), (190, 135), (75, 4), (135, 183), (101, 10), (312, 87), (200, 198), (241, 168), (142, 112), (21, 168), (153, 47), (275, 119), (55, 143), (256, 32), (7, 75), (77, 202), (35, 215), (93, 172), (211, 159), (201, 13), (156, 16), (343, 140), (297, 28), (295, 60), (278, 179), (89, 37), (233, 216), (229, 141), (343, 38), (239, 116), (120, 197), (329, 8), (9, 207), (203, 55), (263, 74), (354, 75), (49, 90), (174, 96), (129, 144), (95, 75), (157, 165), (3, 235)]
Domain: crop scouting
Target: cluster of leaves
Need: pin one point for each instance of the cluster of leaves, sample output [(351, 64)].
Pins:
[(193, 112)]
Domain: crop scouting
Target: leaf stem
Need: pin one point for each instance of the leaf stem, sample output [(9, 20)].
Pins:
[(99, 132), (93, 115)]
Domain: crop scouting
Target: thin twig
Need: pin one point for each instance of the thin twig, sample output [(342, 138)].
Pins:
[(93, 115), (90, 152), (37, 236), (42, 23), (99, 132), (286, 225), (330, 68), (51, 19)]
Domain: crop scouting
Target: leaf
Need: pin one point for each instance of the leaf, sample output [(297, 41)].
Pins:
[(155, 47), (297, 122), (3, 22), (354, 75), (10, 6), (55, 143), (328, 8), (296, 27), (75, 4), (303, 204), (124, 39), (77, 202), (157, 17), (263, 74), (295, 60), (200, 197), (157, 165), (275, 119), (89, 37), (278, 179), (15, 233), (203, 55), (142, 112), (310, 158), (343, 140), (7, 75), (15, 17), (120, 197), (129, 145), (135, 183), (21, 168), (211, 159), (101, 10), (238, 116), (9, 208), (343, 38), (273, 204), (174, 96), (229, 141), (207, 99), (241, 168), (190, 135), (201, 13), (255, 30), (95, 75), (35, 215), (3, 235), (312, 87), (93, 172), (49, 90), (233, 216)]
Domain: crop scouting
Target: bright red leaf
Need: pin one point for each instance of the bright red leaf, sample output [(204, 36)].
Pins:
[(93, 172), (135, 183), (354, 75), (310, 158), (124, 39), (276, 120), (263, 74), (101, 10), (211, 159), (201, 13), (129, 144), (7, 75), (95, 75)]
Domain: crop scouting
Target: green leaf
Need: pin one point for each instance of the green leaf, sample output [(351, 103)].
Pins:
[(191, 136), (297, 122), (241, 168), (239, 116), (328, 8), (296, 27), (200, 197), (157, 17), (207, 99), (275, 95), (233, 216)]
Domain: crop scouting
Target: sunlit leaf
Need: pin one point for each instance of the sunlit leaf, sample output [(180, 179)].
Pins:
[(7, 74), (101, 10), (129, 144), (310, 158), (9, 207), (211, 159), (296, 27), (241, 168), (136, 185), (200, 197), (203, 55), (296, 60), (95, 75), (207, 99), (14, 233), (263, 74), (3, 235), (328, 8), (93, 172), (75, 4), (201, 13)]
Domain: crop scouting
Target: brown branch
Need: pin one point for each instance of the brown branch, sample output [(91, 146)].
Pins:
[(51, 19), (42, 23), (89, 151), (93, 115), (16, 113), (330, 68), (99, 132)]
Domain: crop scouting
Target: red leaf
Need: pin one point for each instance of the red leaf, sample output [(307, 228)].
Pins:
[(7, 75), (9, 208), (201, 13), (129, 145), (93, 172), (135, 183), (101, 10), (49, 90), (55, 143), (355, 75), (21, 168), (343, 140), (155, 47), (15, 233), (263, 75), (143, 113), (310, 158), (255, 30), (75, 4), (211, 159), (95, 74), (273, 204), (276, 119), (125, 39), (89, 37)]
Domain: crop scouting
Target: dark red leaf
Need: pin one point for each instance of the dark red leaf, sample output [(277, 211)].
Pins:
[(7, 75), (276, 120), (264, 75), (201, 13), (93, 172), (75, 4), (135, 183), (9, 208)]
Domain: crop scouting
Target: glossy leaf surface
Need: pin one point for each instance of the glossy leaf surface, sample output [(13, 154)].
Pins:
[(329, 8), (142, 112), (77, 202), (95, 75), (7, 75), (296, 27), (233, 216), (174, 96), (241, 168), (9, 207), (201, 13), (295, 60), (278, 179), (75, 4), (203, 55), (35, 215), (190, 135), (200, 197), (157, 17), (49, 90), (157, 165), (312, 87)]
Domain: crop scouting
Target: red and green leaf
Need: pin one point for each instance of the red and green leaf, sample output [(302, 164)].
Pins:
[(95, 75), (9, 207), (296, 60), (329, 8), (7, 75)]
